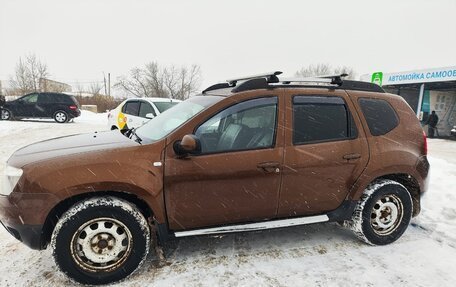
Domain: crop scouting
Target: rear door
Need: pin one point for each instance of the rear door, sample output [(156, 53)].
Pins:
[(45, 105), (325, 152)]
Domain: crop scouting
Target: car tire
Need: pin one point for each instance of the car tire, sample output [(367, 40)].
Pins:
[(6, 115), (100, 240), (383, 213), (61, 117)]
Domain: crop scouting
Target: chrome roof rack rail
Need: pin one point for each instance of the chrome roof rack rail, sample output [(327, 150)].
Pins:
[(270, 77), (270, 81), (287, 81)]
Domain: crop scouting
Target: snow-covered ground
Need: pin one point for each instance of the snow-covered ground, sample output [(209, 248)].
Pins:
[(313, 255)]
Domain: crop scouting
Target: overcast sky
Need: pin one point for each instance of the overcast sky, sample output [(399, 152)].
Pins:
[(81, 39)]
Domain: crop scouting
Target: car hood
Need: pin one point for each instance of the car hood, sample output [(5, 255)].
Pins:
[(68, 145)]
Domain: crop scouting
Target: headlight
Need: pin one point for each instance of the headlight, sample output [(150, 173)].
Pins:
[(9, 179)]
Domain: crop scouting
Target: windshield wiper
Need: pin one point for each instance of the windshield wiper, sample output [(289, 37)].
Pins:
[(132, 132)]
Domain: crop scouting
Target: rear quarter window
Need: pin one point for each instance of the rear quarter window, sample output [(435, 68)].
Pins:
[(380, 116)]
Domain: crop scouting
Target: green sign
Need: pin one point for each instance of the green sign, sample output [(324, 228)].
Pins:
[(377, 78)]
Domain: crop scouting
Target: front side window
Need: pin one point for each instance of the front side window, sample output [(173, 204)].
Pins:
[(145, 109), (321, 119), (30, 99), (131, 108), (244, 126)]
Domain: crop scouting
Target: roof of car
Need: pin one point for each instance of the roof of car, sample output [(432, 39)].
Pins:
[(155, 99)]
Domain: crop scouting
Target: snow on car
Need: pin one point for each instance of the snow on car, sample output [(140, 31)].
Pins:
[(135, 112)]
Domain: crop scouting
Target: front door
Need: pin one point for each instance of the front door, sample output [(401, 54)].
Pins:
[(26, 106), (326, 151), (236, 177)]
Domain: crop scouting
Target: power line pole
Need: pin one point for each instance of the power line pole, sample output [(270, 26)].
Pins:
[(109, 84), (104, 79)]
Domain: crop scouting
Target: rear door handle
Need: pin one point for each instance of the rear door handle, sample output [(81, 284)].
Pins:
[(351, 156), (269, 167)]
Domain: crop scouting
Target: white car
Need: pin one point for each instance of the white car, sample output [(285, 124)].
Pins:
[(135, 112)]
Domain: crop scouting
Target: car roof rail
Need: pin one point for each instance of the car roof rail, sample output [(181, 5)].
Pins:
[(217, 87), (270, 80), (270, 77)]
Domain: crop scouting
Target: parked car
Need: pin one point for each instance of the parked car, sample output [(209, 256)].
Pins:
[(58, 106), (453, 132), (135, 112), (251, 154)]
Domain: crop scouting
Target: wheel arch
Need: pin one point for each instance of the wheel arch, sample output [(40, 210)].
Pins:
[(58, 210), (410, 183)]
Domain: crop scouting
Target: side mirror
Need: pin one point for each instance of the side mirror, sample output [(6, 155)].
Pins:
[(190, 144), (149, 116)]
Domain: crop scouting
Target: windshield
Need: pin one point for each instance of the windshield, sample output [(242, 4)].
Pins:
[(163, 106), (163, 124)]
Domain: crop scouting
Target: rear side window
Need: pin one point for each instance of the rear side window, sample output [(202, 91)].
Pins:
[(131, 108), (46, 99), (320, 119), (62, 99), (380, 116)]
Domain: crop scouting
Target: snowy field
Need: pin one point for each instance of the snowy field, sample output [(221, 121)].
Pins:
[(312, 255)]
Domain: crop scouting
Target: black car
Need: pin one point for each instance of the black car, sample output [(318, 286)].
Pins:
[(60, 107)]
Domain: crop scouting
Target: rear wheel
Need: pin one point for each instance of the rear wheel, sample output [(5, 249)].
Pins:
[(100, 241), (6, 115), (383, 213), (61, 117)]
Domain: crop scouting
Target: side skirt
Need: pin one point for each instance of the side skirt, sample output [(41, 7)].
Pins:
[(254, 226), (343, 212)]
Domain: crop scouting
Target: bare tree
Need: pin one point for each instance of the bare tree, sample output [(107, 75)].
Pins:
[(346, 70), (314, 70), (325, 69), (95, 88), (164, 82), (28, 73)]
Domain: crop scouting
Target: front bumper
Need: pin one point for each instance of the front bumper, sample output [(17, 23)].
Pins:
[(30, 235), (24, 214)]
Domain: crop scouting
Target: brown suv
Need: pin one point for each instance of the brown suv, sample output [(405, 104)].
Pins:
[(253, 153)]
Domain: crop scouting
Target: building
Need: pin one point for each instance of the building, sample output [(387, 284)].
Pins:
[(47, 85), (425, 91)]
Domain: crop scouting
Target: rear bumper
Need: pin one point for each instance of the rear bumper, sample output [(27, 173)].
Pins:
[(423, 168), (75, 113)]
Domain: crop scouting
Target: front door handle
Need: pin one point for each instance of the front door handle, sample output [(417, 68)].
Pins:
[(269, 167), (351, 156)]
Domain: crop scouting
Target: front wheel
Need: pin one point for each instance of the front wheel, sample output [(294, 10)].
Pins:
[(383, 213), (61, 117), (6, 115), (100, 240)]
